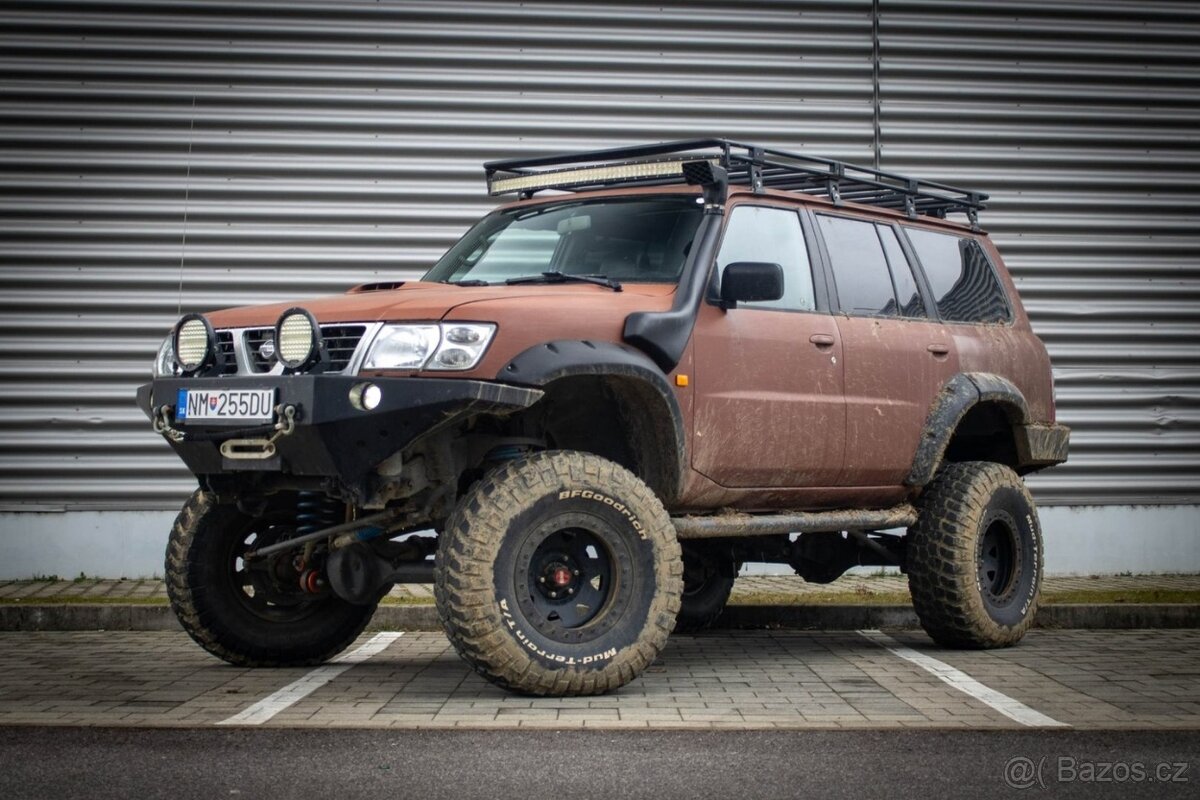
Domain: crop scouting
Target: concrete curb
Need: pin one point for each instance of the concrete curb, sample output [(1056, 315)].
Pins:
[(114, 617), (1112, 616)]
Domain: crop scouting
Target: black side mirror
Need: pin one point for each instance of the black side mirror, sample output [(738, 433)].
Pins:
[(750, 282)]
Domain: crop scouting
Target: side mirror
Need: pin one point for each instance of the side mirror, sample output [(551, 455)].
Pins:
[(750, 282)]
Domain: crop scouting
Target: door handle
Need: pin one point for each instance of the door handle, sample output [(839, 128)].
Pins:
[(938, 349), (822, 340)]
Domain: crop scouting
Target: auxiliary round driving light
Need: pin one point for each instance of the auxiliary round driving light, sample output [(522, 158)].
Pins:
[(366, 396), (194, 343), (297, 339)]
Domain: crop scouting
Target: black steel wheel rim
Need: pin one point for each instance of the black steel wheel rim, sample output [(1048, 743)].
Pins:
[(571, 575), (267, 587), (999, 560)]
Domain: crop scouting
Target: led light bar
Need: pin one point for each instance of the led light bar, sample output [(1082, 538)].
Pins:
[(587, 175)]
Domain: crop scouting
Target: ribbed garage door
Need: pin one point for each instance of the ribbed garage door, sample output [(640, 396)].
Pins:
[(254, 151)]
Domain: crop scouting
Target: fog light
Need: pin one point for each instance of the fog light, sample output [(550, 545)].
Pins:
[(366, 396), (297, 339), (372, 396), (194, 343)]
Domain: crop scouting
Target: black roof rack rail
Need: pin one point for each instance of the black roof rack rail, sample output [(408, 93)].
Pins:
[(749, 165)]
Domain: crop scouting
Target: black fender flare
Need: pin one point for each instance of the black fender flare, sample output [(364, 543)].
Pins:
[(958, 396), (542, 364)]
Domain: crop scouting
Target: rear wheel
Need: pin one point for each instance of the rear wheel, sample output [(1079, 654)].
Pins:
[(252, 613), (707, 581), (559, 574), (975, 557)]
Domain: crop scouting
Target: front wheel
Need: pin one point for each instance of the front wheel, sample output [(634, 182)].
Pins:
[(559, 574), (252, 614), (975, 557)]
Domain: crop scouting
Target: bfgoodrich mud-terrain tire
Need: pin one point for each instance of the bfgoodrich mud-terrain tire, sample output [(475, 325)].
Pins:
[(707, 582), (559, 574), (250, 616), (975, 557)]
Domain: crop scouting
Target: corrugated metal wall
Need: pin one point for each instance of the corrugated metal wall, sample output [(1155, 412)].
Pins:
[(332, 143), (1081, 119)]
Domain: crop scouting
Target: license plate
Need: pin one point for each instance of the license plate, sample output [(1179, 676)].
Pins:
[(225, 405)]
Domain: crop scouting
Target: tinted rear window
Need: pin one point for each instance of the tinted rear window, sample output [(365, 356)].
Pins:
[(860, 270), (964, 284), (911, 304)]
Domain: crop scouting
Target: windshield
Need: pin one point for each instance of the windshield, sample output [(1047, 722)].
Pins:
[(635, 240)]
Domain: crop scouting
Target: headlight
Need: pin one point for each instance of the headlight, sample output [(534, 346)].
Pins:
[(164, 362), (448, 346), (194, 343), (403, 347), (462, 345)]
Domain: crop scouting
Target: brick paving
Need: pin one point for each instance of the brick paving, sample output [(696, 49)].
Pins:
[(786, 588), (743, 679)]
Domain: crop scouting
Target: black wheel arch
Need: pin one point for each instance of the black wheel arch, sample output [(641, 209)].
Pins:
[(653, 441), (969, 401)]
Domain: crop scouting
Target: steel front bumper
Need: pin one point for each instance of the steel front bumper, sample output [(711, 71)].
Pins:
[(330, 436)]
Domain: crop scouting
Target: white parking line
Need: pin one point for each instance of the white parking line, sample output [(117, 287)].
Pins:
[(1013, 709), (296, 691)]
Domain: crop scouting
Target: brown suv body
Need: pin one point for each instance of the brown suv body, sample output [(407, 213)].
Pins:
[(772, 361), (772, 419)]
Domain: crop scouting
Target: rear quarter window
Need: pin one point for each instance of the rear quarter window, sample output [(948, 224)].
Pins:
[(965, 286)]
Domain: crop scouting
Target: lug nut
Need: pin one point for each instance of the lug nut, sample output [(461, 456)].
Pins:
[(576, 573), (554, 594), (542, 579)]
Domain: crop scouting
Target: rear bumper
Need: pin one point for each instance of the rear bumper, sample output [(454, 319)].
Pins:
[(1042, 445), (331, 438)]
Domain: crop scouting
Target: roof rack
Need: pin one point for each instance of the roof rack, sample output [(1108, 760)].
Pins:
[(750, 165)]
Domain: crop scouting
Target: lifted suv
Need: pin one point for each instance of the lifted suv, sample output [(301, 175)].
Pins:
[(603, 400)]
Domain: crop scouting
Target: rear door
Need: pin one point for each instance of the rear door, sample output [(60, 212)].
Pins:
[(768, 387), (896, 357)]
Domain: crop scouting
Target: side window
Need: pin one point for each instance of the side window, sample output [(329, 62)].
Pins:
[(774, 236), (860, 269), (911, 304), (964, 285)]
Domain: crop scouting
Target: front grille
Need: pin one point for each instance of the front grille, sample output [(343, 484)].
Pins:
[(225, 346), (341, 341), (255, 339)]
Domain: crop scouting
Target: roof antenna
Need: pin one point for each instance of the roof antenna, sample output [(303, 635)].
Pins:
[(187, 190)]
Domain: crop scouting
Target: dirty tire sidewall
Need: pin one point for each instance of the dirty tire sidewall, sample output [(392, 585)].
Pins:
[(485, 588), (204, 599), (1010, 509), (944, 547)]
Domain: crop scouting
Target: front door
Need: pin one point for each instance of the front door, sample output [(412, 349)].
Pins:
[(768, 386)]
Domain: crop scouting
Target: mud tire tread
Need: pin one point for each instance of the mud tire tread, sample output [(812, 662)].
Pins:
[(941, 556), (211, 632), (464, 588)]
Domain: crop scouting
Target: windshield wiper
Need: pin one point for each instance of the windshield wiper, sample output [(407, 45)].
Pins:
[(564, 277), (468, 282)]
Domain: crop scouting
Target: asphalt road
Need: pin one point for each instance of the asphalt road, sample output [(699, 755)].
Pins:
[(205, 763)]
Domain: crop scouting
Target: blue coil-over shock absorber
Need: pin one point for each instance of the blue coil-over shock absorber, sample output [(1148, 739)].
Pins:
[(507, 452), (315, 511)]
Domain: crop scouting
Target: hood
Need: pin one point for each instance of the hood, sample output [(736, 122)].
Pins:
[(418, 300)]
